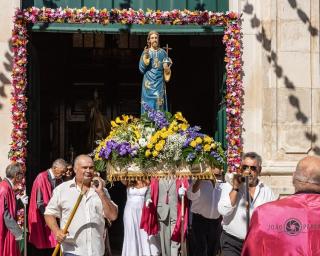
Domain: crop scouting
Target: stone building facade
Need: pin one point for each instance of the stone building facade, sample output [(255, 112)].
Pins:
[(281, 82)]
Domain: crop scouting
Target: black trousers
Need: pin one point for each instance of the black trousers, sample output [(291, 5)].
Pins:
[(205, 235), (230, 245)]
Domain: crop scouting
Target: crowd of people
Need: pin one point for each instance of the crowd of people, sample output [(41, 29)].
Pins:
[(161, 216)]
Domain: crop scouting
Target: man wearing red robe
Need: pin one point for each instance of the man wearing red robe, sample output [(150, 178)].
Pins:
[(39, 233), (290, 226), (10, 232)]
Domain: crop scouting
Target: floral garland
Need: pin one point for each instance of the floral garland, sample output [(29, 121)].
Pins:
[(232, 40)]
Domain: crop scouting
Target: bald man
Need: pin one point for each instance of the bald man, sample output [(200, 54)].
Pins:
[(290, 226), (86, 232)]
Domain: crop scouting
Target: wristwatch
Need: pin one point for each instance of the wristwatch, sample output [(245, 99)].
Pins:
[(235, 189)]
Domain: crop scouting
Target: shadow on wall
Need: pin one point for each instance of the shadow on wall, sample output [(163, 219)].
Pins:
[(273, 59), (4, 79)]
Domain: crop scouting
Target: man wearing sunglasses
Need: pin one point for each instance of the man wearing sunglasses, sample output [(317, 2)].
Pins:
[(233, 204)]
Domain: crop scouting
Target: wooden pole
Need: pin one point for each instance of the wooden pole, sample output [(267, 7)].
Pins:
[(182, 245), (25, 230), (65, 229), (248, 203)]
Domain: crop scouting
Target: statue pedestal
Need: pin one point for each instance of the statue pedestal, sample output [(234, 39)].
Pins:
[(133, 172)]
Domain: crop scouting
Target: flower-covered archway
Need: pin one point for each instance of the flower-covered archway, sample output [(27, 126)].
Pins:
[(232, 40)]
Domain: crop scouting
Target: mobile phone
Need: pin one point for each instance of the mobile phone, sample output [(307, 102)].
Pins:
[(95, 183)]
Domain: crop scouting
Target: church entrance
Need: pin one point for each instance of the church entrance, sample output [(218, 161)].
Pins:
[(72, 76)]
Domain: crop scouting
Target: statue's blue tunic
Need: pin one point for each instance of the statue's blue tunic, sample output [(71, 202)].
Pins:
[(153, 84)]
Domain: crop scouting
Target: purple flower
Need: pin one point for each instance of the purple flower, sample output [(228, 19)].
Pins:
[(216, 156), (122, 149), (198, 148), (156, 116), (190, 157)]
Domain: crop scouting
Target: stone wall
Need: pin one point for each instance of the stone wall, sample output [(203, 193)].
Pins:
[(281, 81), (6, 14)]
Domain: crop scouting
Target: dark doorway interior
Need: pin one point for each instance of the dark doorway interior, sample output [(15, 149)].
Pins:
[(66, 71)]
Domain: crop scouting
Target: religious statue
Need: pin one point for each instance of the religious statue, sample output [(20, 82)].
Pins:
[(155, 66), (99, 126)]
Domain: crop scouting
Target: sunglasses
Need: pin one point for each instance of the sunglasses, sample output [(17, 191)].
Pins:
[(250, 167)]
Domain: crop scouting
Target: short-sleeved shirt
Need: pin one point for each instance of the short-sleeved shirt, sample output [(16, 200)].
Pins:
[(87, 229), (205, 200), (234, 217)]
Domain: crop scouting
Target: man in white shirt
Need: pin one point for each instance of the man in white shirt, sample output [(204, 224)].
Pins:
[(87, 230), (206, 222), (232, 204)]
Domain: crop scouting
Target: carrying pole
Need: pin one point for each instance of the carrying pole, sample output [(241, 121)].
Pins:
[(25, 230), (182, 245), (248, 203), (65, 229)]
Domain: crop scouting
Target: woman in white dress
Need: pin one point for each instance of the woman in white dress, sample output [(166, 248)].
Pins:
[(136, 241)]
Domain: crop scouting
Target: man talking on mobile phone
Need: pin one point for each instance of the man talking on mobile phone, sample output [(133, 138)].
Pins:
[(86, 233)]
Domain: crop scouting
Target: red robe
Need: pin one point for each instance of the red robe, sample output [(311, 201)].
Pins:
[(176, 234), (149, 218), (290, 226), (39, 233), (8, 244)]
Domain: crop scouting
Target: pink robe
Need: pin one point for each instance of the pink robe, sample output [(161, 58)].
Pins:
[(39, 233), (8, 244), (290, 226)]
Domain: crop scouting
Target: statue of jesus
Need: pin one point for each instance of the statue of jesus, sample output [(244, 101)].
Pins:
[(155, 66)]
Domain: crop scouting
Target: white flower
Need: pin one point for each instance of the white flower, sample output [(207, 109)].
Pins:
[(142, 142), (172, 150)]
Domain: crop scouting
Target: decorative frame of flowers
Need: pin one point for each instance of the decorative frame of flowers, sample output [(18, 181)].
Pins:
[(232, 39)]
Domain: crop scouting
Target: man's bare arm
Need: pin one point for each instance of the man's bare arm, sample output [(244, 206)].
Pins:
[(110, 210), (53, 225)]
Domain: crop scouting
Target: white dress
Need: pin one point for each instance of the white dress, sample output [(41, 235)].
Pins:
[(136, 241)]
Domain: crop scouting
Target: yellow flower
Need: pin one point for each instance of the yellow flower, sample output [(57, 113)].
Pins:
[(155, 153), (113, 124), (193, 144), (162, 142), (213, 146), (173, 123), (164, 135), (180, 117), (148, 153), (183, 127), (137, 133), (207, 147), (207, 139), (158, 147), (125, 118), (150, 145), (154, 139), (96, 156), (198, 140), (175, 128), (118, 120)]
